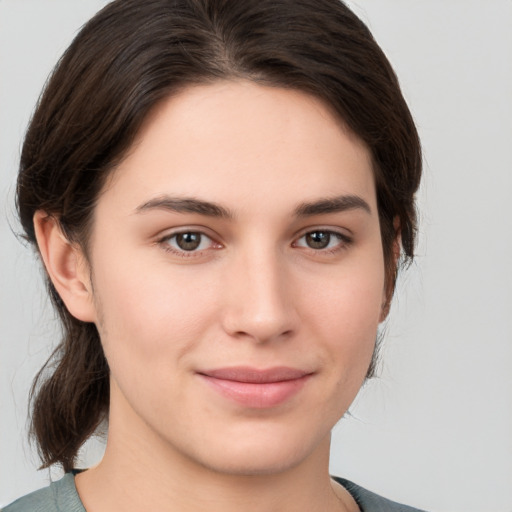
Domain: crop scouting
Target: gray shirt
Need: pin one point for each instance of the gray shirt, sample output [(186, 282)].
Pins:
[(62, 496)]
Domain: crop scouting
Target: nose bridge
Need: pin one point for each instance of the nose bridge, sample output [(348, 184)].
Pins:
[(259, 303)]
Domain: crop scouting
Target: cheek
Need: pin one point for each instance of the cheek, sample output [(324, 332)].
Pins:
[(148, 314), (346, 321), (345, 313), (346, 301)]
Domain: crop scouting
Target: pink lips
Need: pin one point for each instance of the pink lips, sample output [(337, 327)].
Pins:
[(256, 388)]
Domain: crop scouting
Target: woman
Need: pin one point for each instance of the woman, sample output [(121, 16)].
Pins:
[(221, 193)]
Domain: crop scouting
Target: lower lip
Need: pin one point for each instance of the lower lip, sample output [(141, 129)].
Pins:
[(257, 395)]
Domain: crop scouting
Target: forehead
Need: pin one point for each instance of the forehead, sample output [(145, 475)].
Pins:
[(242, 143)]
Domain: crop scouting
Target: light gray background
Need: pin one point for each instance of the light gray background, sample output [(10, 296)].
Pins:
[(435, 430)]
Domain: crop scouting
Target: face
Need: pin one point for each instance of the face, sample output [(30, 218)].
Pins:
[(238, 278)]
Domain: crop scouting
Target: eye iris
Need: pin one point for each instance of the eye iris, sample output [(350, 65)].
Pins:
[(188, 241), (318, 239)]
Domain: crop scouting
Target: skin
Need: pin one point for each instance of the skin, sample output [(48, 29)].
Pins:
[(254, 293)]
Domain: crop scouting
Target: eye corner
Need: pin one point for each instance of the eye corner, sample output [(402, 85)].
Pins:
[(323, 241), (188, 243)]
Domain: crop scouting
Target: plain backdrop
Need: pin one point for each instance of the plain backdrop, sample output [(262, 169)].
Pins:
[(435, 429)]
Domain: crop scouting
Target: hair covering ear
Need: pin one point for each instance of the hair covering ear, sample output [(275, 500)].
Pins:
[(391, 276)]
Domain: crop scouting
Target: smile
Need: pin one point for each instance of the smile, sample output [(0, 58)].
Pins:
[(253, 388)]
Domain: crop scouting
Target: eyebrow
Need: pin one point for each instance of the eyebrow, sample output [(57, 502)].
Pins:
[(308, 209), (186, 205), (332, 205)]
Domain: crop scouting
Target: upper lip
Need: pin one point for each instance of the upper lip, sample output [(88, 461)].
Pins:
[(255, 375)]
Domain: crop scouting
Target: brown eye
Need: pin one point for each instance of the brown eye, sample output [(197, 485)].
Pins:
[(188, 244), (189, 241), (324, 241), (318, 239)]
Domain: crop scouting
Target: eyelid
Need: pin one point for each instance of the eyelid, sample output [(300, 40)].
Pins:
[(345, 233), (341, 234), (162, 240), (345, 239)]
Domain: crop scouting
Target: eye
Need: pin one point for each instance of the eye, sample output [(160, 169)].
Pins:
[(322, 239), (187, 242)]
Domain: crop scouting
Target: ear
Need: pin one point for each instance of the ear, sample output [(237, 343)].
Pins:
[(391, 275), (66, 265)]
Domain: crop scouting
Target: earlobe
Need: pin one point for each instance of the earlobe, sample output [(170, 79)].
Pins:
[(66, 266)]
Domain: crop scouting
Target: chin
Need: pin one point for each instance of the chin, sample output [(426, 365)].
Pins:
[(257, 456), (253, 465)]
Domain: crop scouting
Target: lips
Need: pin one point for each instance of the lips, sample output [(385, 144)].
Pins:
[(256, 388)]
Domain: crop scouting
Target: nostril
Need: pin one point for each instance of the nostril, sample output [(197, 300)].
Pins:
[(261, 335), (257, 304)]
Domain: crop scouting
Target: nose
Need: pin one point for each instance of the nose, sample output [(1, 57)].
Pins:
[(259, 296)]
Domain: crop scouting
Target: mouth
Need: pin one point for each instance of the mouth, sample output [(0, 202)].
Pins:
[(256, 388)]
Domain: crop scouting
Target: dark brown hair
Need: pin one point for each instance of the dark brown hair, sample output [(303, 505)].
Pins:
[(124, 62)]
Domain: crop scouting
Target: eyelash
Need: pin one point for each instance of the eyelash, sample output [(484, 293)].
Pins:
[(182, 253), (344, 241)]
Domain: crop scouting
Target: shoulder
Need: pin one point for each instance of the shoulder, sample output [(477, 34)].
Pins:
[(370, 502), (59, 496)]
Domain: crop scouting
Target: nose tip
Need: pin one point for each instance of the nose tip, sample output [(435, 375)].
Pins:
[(260, 330), (260, 305)]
